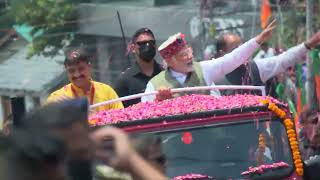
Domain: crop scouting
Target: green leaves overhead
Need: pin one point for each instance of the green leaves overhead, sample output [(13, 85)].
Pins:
[(56, 18)]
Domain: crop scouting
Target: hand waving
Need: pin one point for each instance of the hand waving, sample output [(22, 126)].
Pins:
[(267, 32), (313, 41)]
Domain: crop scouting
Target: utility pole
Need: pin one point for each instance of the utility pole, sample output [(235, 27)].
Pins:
[(310, 88)]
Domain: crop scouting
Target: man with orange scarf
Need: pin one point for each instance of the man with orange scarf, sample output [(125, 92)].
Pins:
[(78, 67)]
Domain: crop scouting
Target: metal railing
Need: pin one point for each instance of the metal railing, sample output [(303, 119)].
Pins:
[(186, 89)]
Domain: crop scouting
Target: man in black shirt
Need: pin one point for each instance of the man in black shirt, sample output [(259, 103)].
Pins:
[(134, 79)]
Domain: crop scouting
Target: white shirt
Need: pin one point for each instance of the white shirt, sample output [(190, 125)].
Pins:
[(272, 66), (263, 54), (215, 69)]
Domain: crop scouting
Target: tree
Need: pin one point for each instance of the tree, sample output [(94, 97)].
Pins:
[(57, 19), (6, 20), (294, 22), (294, 32)]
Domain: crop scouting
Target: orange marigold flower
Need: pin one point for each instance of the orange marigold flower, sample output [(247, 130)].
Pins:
[(299, 165), (293, 143), (297, 161), (282, 115), (265, 101), (296, 153), (271, 106), (274, 109), (292, 139), (288, 123), (299, 171), (92, 122), (291, 131), (296, 157), (292, 135), (295, 148)]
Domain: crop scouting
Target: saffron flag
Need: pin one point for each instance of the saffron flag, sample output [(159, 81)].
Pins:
[(265, 13), (301, 94)]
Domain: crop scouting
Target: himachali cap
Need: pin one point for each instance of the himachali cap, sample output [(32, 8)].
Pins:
[(172, 46)]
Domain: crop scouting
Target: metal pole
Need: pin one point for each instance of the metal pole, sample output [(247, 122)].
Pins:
[(310, 93), (123, 36), (185, 89), (281, 25), (254, 17)]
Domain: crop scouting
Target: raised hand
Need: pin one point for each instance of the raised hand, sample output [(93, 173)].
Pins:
[(113, 147), (313, 41), (267, 32)]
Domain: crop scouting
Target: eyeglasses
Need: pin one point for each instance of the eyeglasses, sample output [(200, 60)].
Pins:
[(151, 42)]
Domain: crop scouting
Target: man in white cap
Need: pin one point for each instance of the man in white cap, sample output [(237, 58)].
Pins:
[(182, 71)]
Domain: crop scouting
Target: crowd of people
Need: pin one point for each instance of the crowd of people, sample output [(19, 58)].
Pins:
[(55, 142)]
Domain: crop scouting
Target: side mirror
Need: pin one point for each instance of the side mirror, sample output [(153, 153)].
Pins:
[(312, 168)]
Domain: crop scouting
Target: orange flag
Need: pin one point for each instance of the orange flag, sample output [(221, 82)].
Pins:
[(265, 13), (317, 83), (299, 110)]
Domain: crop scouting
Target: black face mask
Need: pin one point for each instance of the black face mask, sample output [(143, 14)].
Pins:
[(147, 52)]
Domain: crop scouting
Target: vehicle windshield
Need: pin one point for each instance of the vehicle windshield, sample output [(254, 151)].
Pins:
[(224, 151)]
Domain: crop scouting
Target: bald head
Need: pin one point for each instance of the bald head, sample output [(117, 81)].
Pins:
[(226, 43)]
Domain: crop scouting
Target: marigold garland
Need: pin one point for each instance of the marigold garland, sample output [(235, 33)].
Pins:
[(262, 148), (292, 136)]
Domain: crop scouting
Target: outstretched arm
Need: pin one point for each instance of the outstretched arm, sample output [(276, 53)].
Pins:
[(272, 66), (216, 69)]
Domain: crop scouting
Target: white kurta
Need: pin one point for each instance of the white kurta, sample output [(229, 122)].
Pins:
[(272, 66), (215, 69), (262, 54)]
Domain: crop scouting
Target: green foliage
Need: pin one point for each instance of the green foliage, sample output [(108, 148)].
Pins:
[(294, 23), (6, 20), (57, 19)]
